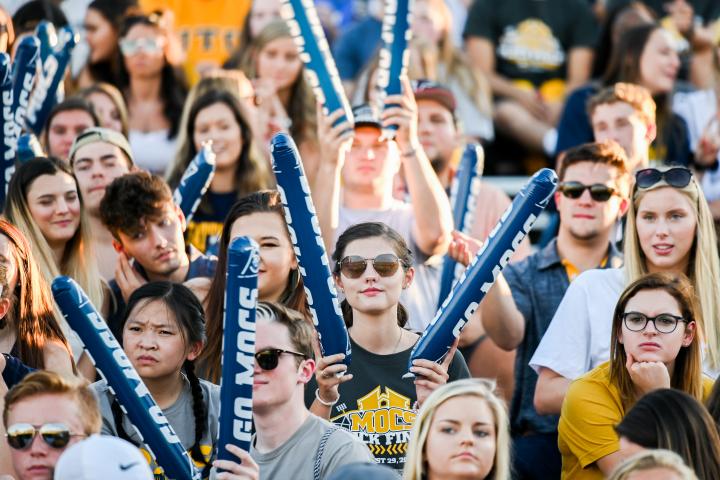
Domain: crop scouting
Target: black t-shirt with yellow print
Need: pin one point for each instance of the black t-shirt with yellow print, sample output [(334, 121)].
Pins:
[(377, 404), (532, 38)]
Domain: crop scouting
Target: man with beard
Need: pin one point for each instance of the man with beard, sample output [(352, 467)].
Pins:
[(517, 310)]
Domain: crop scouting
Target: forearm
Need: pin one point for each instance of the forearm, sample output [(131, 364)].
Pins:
[(503, 322), (433, 218), (550, 392), (579, 68), (325, 193), (320, 410)]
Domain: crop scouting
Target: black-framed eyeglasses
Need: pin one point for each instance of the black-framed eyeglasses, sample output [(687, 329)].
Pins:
[(385, 264), (57, 435), (268, 359), (678, 177), (663, 323), (598, 191)]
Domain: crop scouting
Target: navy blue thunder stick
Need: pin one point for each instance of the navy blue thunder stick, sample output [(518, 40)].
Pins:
[(46, 33), (394, 53), (46, 93), (320, 68), (309, 248), (28, 147), (463, 199), (24, 70), (195, 181), (9, 143), (480, 275), (115, 367), (238, 353)]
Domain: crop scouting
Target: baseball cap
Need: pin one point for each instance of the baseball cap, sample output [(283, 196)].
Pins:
[(99, 134), (365, 115), (102, 457), (437, 92)]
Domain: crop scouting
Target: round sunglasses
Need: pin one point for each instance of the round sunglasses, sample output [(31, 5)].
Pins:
[(57, 435), (385, 264), (678, 177), (575, 190), (268, 359)]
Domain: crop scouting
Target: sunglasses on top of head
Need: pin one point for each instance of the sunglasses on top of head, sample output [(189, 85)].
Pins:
[(678, 177)]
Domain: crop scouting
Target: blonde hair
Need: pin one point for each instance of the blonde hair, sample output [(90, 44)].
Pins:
[(650, 459), (484, 389), (704, 267), (78, 260)]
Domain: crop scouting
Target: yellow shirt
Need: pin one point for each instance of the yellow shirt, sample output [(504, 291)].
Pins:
[(209, 29), (591, 409)]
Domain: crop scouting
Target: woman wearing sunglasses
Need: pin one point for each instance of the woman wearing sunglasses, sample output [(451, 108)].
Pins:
[(372, 267), (655, 343), (259, 216), (154, 88), (162, 335), (669, 229)]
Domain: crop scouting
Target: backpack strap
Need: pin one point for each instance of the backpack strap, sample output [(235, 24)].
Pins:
[(321, 450)]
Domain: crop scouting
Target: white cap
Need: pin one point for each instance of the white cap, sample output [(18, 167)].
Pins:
[(102, 457)]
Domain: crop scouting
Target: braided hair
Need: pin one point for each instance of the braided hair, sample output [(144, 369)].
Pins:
[(189, 315)]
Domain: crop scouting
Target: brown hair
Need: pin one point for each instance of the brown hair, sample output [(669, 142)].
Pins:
[(48, 383), (130, 199), (687, 375), (637, 97), (607, 152), (302, 335)]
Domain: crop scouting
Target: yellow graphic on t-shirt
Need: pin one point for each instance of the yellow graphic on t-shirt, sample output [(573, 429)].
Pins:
[(159, 473), (203, 235), (383, 421), (531, 45)]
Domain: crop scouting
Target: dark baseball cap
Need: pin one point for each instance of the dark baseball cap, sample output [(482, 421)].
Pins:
[(437, 92), (366, 116)]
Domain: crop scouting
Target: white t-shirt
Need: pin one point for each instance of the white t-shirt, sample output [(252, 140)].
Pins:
[(152, 151), (578, 338), (420, 299)]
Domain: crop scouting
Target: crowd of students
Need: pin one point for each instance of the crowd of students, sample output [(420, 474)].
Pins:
[(594, 355)]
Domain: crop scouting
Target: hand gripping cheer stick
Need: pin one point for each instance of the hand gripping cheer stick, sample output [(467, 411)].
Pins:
[(195, 181), (308, 245), (394, 54), (45, 95), (463, 198), (480, 275), (123, 379), (321, 71), (238, 354)]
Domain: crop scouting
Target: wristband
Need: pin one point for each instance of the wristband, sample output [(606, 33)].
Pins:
[(323, 402), (410, 153)]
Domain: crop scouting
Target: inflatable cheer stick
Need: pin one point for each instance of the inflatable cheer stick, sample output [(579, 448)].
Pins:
[(45, 94), (46, 34), (24, 71), (394, 54), (480, 275), (463, 198), (309, 249), (9, 144), (28, 147), (320, 68), (195, 181), (238, 353), (123, 379)]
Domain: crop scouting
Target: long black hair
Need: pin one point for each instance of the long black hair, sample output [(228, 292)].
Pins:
[(189, 315), (371, 230)]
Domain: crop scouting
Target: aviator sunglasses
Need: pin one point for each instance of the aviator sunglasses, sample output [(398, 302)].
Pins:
[(678, 177), (575, 190), (21, 435), (385, 264)]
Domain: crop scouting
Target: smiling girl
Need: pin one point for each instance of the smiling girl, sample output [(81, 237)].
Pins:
[(163, 333), (655, 344)]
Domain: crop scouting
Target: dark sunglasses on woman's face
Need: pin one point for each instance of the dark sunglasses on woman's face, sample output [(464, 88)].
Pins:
[(678, 177), (575, 190), (268, 359), (57, 435), (385, 264)]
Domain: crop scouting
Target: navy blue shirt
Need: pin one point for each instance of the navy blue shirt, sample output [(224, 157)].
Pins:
[(200, 266), (538, 284)]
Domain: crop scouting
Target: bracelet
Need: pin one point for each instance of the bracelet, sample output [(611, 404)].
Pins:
[(323, 402), (410, 153)]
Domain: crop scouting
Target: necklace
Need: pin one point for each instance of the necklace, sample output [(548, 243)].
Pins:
[(397, 344)]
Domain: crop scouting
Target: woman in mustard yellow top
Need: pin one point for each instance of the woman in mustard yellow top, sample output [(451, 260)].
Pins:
[(654, 344)]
